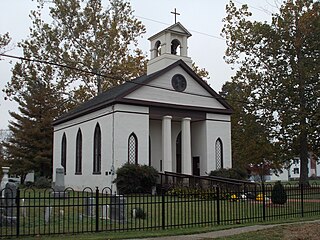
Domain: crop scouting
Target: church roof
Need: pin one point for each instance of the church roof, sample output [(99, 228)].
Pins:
[(175, 28), (117, 94)]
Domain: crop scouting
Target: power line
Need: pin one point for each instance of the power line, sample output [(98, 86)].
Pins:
[(111, 77), (167, 24)]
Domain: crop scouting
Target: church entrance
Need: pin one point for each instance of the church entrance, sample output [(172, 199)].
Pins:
[(196, 166), (178, 153)]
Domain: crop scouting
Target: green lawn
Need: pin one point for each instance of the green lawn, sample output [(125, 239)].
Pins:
[(69, 215)]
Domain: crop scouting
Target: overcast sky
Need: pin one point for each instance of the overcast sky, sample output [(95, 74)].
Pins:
[(203, 18)]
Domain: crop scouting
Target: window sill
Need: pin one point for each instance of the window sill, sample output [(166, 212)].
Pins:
[(96, 173), (78, 173)]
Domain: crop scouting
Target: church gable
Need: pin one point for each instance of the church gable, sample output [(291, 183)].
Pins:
[(178, 86)]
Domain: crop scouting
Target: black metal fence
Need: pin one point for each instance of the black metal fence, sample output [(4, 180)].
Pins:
[(198, 203)]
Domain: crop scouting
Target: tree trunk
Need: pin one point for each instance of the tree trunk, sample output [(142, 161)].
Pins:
[(303, 158)]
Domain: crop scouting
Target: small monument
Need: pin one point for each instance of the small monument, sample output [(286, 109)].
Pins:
[(90, 208), (117, 208), (5, 180), (8, 200), (10, 194), (59, 186)]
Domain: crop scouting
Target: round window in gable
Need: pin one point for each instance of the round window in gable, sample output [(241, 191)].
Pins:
[(179, 83)]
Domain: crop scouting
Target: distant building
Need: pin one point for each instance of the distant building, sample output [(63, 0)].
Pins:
[(292, 172)]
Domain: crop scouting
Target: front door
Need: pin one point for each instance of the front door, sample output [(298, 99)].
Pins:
[(196, 166), (178, 153)]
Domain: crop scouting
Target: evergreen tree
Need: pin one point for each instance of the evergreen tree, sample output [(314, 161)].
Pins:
[(278, 194), (30, 145), (279, 61)]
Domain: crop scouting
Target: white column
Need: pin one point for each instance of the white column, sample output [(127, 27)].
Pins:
[(186, 146), (166, 144)]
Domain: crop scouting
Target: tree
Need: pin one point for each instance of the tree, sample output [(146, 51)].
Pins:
[(4, 42), (279, 62), (84, 35), (250, 141), (278, 194), (30, 145)]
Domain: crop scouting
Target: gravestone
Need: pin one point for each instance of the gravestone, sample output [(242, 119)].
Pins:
[(105, 212), (47, 214), (5, 180), (10, 194), (59, 186), (7, 212), (89, 206), (117, 208)]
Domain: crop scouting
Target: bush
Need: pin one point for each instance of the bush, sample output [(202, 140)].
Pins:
[(138, 213), (42, 182), (278, 194), (133, 178), (232, 173)]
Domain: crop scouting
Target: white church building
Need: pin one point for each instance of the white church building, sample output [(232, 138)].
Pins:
[(170, 119)]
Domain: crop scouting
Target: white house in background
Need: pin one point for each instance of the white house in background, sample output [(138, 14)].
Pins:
[(293, 170), (170, 119)]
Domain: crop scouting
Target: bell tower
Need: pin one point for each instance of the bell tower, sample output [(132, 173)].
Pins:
[(169, 46)]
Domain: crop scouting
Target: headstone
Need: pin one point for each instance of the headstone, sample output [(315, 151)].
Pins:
[(5, 179), (10, 194), (105, 212), (134, 213), (89, 206), (59, 186), (47, 214), (117, 208), (23, 208), (154, 190)]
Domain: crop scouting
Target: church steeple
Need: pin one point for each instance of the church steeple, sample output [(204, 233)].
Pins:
[(169, 46)]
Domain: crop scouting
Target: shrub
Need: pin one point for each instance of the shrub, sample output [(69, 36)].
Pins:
[(278, 194), (133, 178), (233, 173), (138, 213), (42, 182)]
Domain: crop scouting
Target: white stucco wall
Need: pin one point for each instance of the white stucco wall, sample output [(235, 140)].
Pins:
[(198, 143), (120, 121), (218, 126), (156, 143), (173, 97)]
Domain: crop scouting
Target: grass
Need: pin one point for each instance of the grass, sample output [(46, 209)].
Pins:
[(274, 233), (299, 231), (69, 215)]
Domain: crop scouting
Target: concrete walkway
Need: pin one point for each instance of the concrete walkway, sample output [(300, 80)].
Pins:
[(223, 233)]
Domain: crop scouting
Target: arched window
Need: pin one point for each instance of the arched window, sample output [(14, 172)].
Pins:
[(97, 150), (79, 152), (64, 152), (158, 48), (132, 149), (174, 46), (219, 154)]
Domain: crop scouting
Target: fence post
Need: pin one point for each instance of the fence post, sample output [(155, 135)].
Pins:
[(97, 209), (263, 201), (301, 196), (163, 209), (218, 204), (18, 212)]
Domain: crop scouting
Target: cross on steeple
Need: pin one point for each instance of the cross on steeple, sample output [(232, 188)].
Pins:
[(175, 15)]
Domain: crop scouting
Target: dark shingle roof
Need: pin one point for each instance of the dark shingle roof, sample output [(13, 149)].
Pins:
[(117, 93), (102, 100)]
